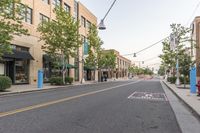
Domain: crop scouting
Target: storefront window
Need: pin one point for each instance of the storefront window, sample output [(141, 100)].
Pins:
[(2, 69), (21, 71)]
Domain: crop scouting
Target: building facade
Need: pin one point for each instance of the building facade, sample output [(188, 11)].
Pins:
[(121, 68), (28, 57), (195, 51)]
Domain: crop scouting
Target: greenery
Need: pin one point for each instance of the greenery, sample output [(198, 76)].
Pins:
[(173, 80), (5, 83), (135, 70), (59, 80), (169, 56), (94, 47), (56, 81), (69, 80), (61, 36), (10, 24), (161, 70)]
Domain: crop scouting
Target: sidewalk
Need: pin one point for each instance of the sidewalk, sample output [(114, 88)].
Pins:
[(191, 100), (31, 88)]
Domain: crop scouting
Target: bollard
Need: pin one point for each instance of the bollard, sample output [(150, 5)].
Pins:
[(40, 78)]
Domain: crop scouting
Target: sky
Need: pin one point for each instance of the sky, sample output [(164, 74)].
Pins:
[(133, 25)]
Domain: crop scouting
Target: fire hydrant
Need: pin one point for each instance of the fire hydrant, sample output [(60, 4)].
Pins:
[(198, 86)]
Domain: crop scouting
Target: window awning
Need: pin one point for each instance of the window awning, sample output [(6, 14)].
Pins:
[(89, 68), (19, 55)]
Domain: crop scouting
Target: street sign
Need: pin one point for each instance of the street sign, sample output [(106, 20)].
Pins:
[(172, 42)]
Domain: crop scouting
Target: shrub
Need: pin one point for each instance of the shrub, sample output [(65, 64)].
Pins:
[(171, 80), (5, 83), (187, 80), (56, 81), (69, 80)]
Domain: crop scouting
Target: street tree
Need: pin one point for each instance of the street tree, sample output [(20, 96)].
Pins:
[(10, 23), (108, 61), (170, 56), (60, 36), (161, 70), (94, 47)]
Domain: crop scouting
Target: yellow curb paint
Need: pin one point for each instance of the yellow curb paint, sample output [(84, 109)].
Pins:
[(8, 113)]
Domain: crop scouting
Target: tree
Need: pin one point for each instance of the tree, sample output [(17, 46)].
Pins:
[(161, 70), (107, 60), (10, 24), (61, 36), (94, 48), (169, 56)]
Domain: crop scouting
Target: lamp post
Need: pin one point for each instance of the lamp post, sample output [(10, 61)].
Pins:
[(173, 46), (101, 24)]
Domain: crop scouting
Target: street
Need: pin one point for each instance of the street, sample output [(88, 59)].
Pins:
[(98, 108)]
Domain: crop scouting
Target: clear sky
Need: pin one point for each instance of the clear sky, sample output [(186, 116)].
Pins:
[(135, 24)]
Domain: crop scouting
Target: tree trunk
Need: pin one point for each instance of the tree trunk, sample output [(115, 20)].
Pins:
[(184, 81), (64, 69)]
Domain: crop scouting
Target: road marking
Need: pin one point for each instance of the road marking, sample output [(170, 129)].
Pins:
[(12, 112), (148, 96)]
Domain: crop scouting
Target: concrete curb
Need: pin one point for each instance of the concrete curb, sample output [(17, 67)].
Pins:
[(193, 111), (49, 89), (42, 90)]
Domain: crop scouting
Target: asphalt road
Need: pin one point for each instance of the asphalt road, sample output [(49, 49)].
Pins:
[(114, 107)]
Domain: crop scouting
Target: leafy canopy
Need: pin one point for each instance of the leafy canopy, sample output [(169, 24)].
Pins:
[(61, 35), (10, 24)]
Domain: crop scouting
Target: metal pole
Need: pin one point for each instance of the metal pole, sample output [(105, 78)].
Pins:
[(109, 9), (177, 71), (177, 64)]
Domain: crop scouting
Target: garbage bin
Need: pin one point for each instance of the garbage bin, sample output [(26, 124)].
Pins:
[(40, 79)]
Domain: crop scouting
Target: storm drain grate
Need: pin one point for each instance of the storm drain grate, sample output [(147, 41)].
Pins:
[(148, 96)]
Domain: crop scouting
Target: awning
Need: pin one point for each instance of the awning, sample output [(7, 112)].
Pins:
[(19, 55), (69, 66), (88, 68)]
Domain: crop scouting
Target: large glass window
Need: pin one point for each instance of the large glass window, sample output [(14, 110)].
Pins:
[(43, 18), (26, 14), (88, 24), (83, 21), (2, 69), (46, 1), (67, 8), (75, 9), (56, 2), (21, 71)]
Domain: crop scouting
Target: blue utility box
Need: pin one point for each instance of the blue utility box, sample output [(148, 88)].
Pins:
[(40, 79)]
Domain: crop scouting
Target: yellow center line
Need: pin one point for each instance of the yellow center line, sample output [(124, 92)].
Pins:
[(12, 112)]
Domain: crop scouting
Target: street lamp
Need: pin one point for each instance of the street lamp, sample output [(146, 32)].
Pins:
[(173, 46), (101, 24)]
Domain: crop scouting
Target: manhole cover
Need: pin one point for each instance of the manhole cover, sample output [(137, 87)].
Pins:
[(148, 96)]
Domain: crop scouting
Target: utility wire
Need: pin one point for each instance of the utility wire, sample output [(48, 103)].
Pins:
[(147, 47), (193, 13), (197, 6)]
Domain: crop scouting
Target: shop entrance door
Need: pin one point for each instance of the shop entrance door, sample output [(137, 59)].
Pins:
[(10, 70)]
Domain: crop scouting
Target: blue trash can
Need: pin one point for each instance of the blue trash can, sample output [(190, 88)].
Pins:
[(40, 79)]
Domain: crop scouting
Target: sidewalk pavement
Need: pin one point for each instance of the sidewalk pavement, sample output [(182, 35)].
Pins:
[(30, 88), (191, 100)]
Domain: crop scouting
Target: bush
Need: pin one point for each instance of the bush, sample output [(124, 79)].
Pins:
[(56, 81), (187, 80), (69, 80), (171, 80), (5, 83)]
